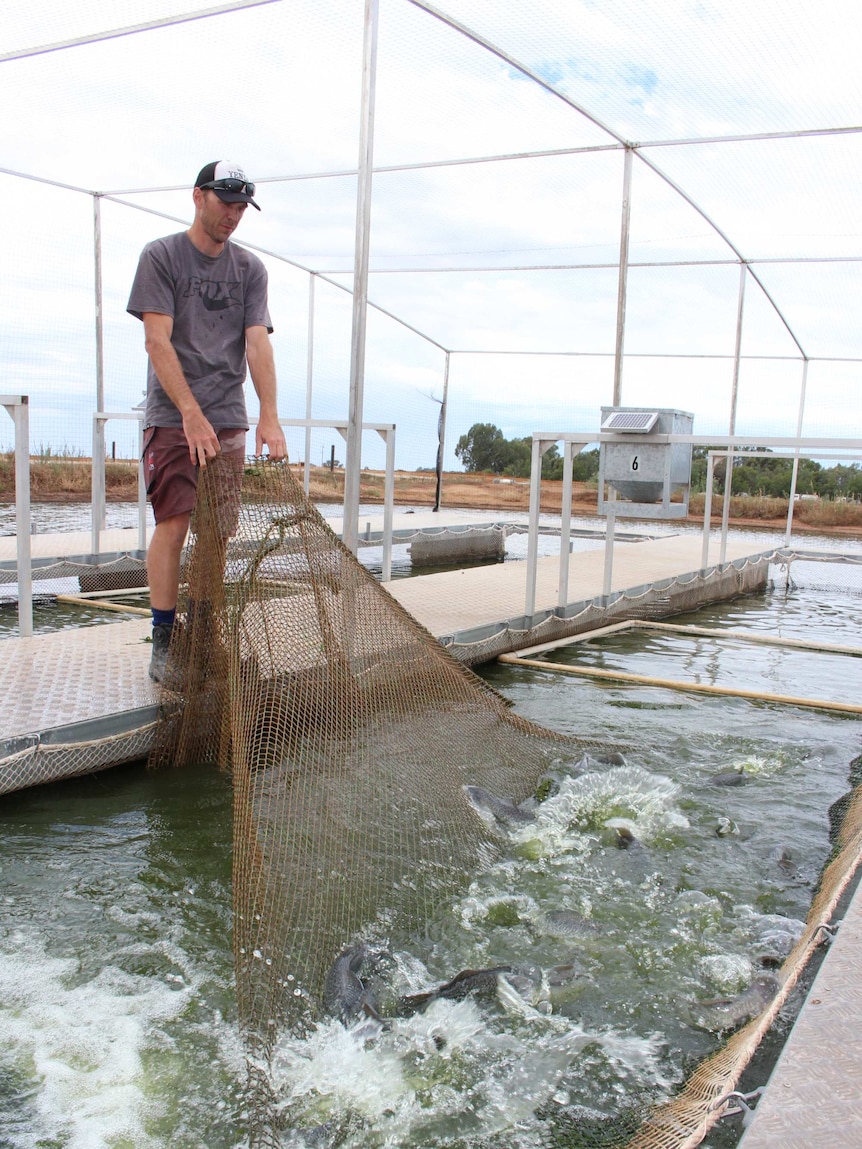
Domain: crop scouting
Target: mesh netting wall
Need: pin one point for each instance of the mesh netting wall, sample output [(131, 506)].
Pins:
[(350, 734)]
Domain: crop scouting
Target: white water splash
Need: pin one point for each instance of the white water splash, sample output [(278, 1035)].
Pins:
[(82, 1040)]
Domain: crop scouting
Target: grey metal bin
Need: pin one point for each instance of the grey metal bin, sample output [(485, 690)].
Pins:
[(641, 466)]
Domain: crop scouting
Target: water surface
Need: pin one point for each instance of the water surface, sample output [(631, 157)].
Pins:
[(117, 1021)]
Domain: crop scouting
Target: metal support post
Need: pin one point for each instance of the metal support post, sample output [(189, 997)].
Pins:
[(789, 528), (611, 514), (623, 277), (734, 398), (97, 481), (570, 449), (707, 508), (441, 436), (18, 409), (353, 457), (309, 374), (388, 437), (540, 446)]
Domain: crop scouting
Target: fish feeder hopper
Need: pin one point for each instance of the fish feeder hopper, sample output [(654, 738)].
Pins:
[(639, 464)]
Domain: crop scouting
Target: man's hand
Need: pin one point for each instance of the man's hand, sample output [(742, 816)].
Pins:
[(270, 434), (202, 440)]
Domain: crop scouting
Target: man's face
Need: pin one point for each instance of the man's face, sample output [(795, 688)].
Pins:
[(218, 220)]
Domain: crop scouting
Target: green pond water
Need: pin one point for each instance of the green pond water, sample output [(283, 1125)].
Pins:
[(117, 1013)]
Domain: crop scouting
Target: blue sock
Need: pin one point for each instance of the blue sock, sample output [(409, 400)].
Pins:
[(163, 617)]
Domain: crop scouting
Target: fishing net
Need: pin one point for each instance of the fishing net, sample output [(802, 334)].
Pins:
[(350, 734)]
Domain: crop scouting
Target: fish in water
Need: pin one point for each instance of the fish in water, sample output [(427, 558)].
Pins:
[(469, 982), (726, 1013), (625, 838), (345, 995), (726, 827), (482, 983), (564, 974), (566, 924), (610, 757), (783, 858), (735, 777), (501, 810)]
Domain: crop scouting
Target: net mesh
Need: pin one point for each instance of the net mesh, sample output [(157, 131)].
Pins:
[(350, 734)]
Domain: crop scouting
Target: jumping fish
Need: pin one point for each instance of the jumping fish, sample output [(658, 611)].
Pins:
[(501, 810), (565, 924), (481, 983), (525, 980), (726, 1013), (345, 995)]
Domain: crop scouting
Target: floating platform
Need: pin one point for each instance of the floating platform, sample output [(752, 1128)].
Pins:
[(80, 699), (812, 1098), (122, 552)]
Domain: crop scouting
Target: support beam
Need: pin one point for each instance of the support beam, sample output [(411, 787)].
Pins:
[(353, 458)]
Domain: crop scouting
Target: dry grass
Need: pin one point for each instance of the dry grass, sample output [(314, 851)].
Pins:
[(67, 479), (56, 478)]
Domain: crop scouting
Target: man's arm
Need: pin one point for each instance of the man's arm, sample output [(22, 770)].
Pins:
[(202, 439), (261, 365)]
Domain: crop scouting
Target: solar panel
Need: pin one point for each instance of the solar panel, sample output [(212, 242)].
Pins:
[(641, 421)]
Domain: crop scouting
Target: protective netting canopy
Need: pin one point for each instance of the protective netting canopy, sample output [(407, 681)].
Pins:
[(352, 738), (499, 267)]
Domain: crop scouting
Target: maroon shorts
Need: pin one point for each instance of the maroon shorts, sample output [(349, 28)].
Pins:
[(171, 476)]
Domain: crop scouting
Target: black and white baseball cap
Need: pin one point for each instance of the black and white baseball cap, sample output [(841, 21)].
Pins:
[(228, 181)]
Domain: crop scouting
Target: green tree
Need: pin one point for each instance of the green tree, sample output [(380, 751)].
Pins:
[(585, 465), (483, 448)]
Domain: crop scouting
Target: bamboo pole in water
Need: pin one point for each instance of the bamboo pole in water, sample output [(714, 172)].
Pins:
[(672, 684), (709, 632), (77, 600)]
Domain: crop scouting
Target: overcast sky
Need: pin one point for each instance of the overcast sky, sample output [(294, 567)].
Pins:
[(510, 264)]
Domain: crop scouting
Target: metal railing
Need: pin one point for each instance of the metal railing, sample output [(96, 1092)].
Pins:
[(721, 447), (385, 430), (18, 408)]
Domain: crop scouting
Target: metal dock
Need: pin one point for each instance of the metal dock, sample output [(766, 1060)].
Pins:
[(87, 685)]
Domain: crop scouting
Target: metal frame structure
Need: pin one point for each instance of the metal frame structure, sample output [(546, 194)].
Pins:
[(729, 454), (630, 151), (386, 431), (575, 441), (365, 172), (18, 408)]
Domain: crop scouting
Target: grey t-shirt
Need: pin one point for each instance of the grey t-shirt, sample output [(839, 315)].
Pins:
[(212, 300)]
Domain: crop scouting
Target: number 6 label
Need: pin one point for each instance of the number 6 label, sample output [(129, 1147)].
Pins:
[(635, 463)]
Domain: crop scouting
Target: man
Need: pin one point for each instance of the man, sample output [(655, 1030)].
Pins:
[(203, 303)]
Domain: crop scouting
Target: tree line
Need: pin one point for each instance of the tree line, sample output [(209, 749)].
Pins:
[(485, 448)]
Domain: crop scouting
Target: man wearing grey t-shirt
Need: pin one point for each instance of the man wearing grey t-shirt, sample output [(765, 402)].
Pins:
[(203, 303)]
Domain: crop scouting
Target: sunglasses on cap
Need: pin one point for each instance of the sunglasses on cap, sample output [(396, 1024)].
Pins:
[(229, 185)]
